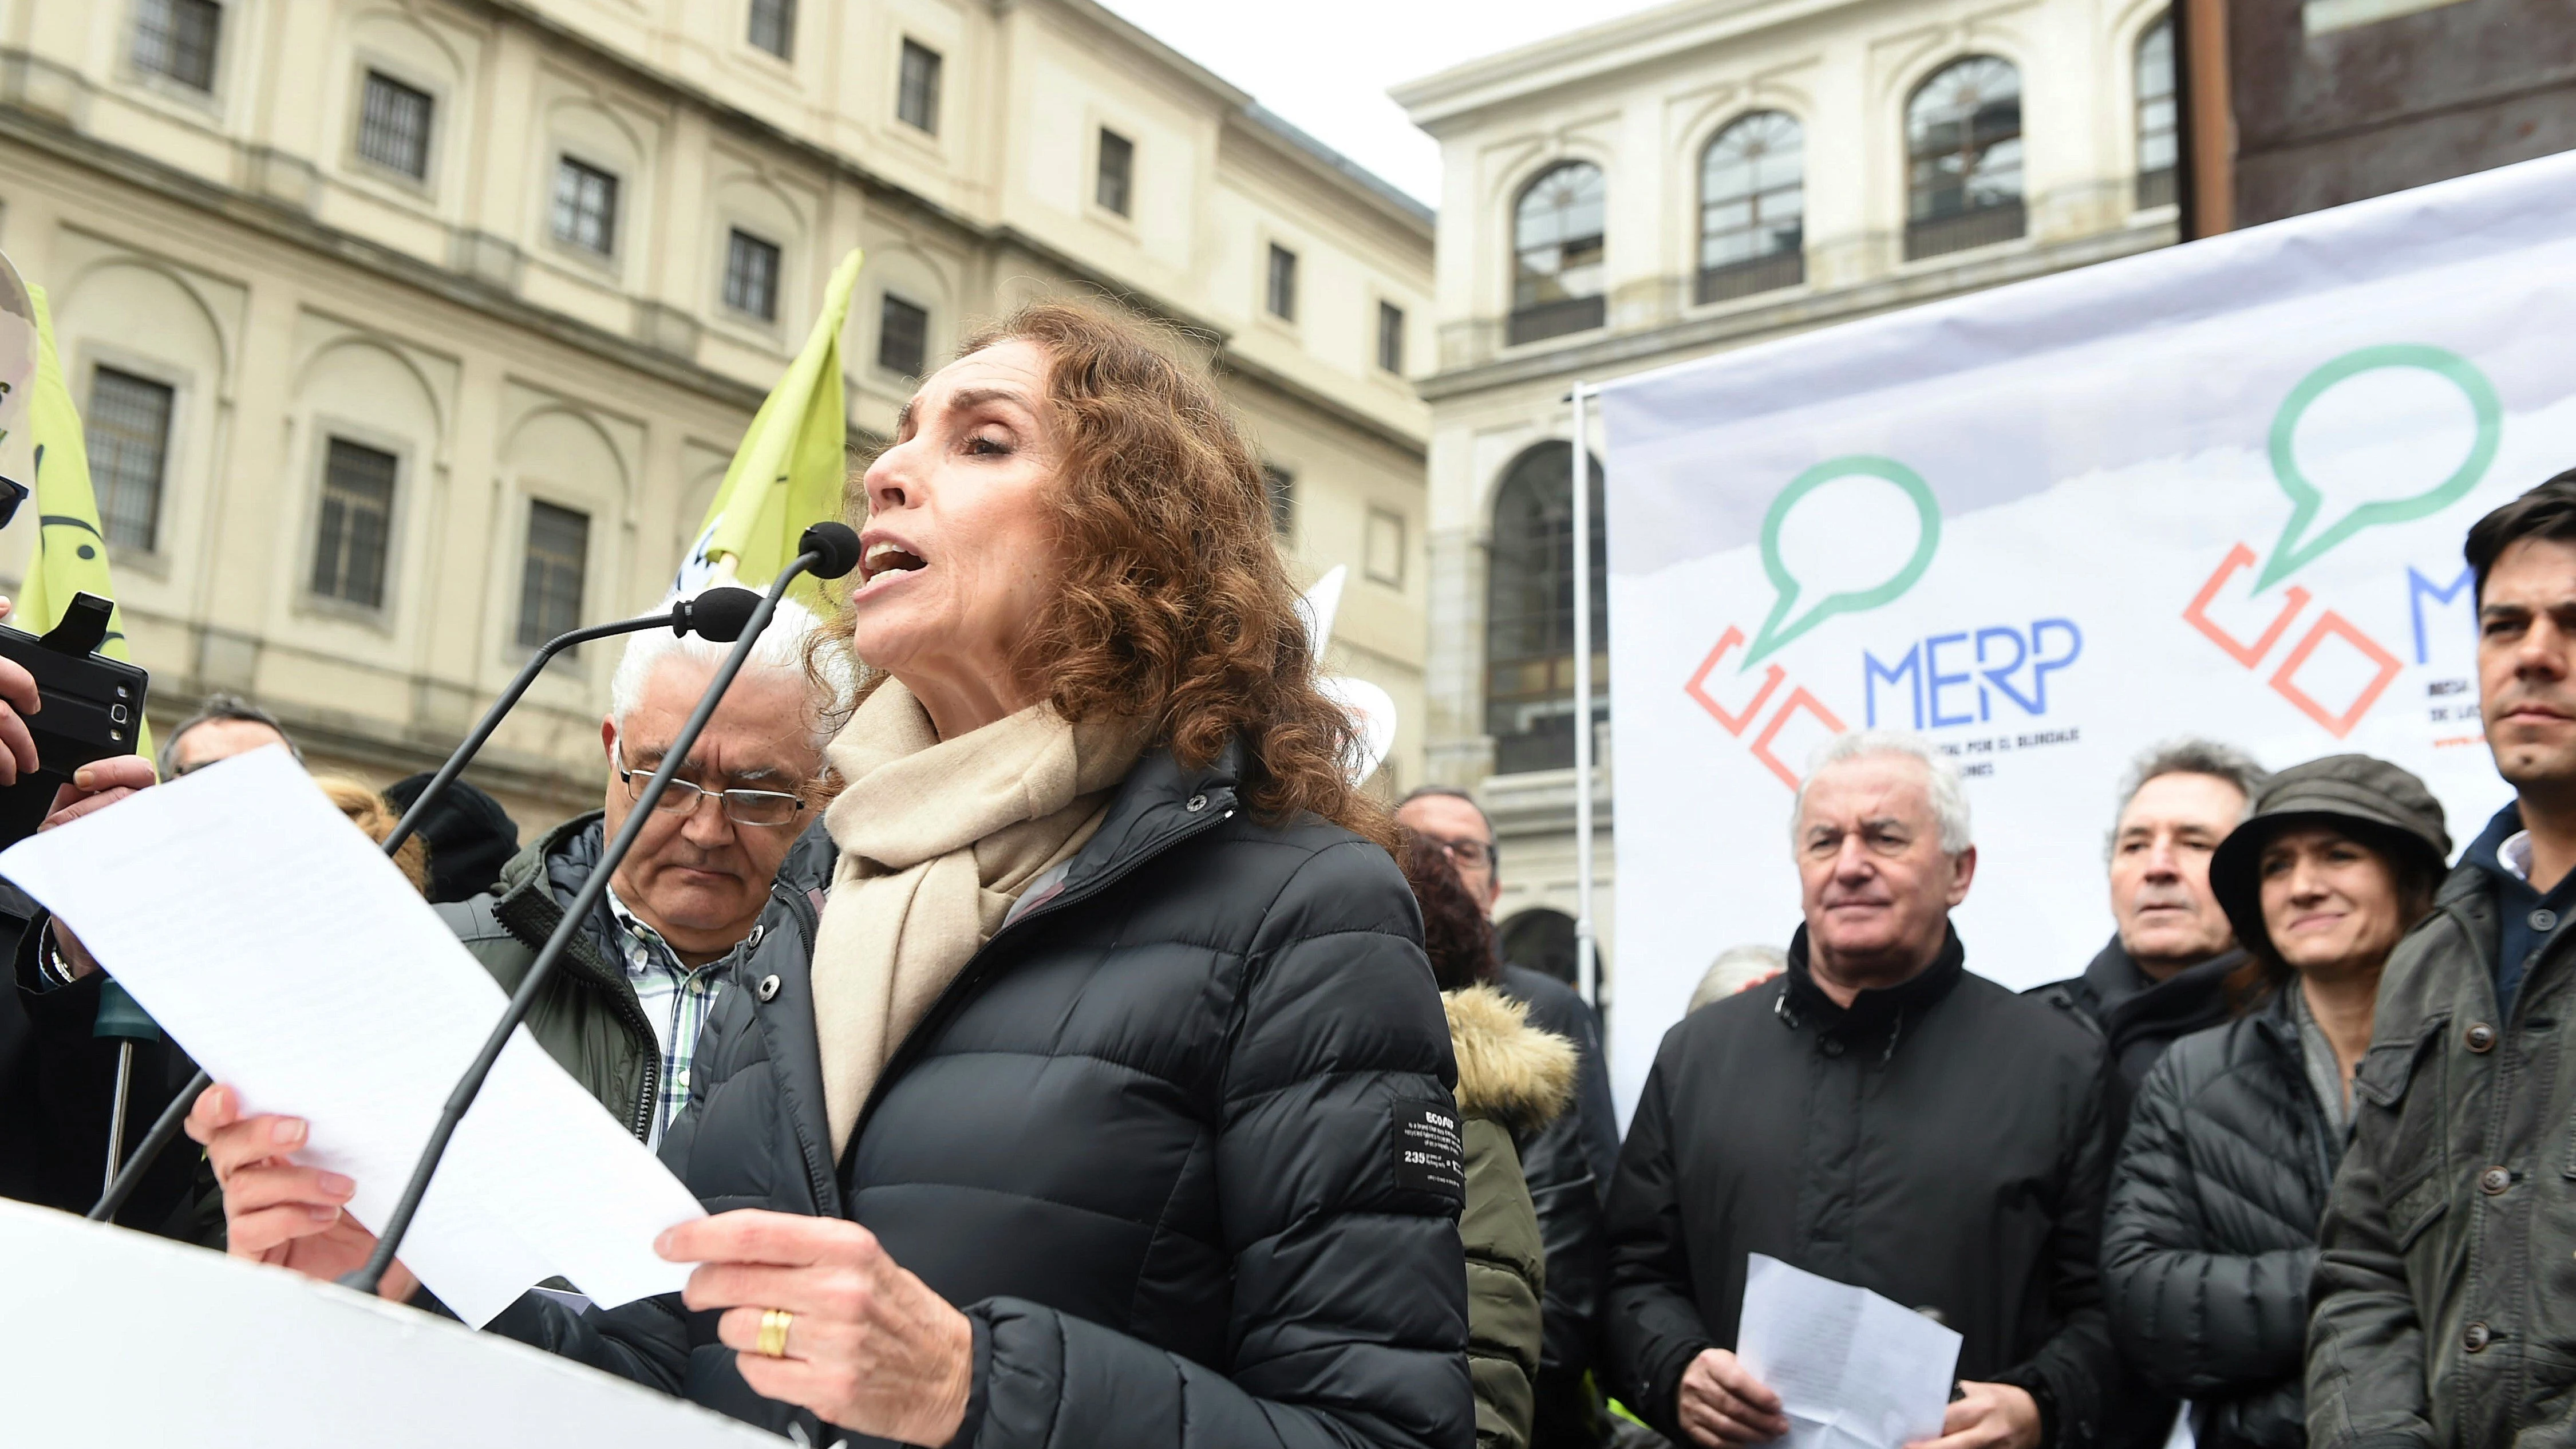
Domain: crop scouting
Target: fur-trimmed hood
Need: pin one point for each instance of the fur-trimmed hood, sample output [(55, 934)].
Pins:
[(1509, 1071)]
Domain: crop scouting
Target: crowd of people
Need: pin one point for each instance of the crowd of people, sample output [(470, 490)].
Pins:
[(1070, 1052)]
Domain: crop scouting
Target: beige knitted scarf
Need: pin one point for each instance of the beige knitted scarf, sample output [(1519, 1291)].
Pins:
[(938, 838)]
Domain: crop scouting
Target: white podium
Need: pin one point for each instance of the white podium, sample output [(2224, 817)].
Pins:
[(115, 1338)]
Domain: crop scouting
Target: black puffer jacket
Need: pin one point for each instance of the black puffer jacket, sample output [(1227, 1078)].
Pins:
[(1939, 1142), (2211, 1234), (2141, 1016), (1163, 1140)]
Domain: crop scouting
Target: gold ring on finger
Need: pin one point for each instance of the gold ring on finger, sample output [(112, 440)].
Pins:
[(773, 1332)]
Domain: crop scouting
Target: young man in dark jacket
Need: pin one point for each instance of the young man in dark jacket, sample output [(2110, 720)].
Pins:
[(2445, 1292), (1877, 1116)]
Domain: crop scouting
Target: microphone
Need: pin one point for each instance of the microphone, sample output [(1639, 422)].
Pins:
[(718, 614), (835, 547), (827, 550)]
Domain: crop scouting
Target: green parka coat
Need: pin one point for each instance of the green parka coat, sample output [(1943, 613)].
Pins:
[(1512, 1080)]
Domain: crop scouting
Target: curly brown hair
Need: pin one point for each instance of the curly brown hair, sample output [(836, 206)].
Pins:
[(1175, 606), (1455, 934)]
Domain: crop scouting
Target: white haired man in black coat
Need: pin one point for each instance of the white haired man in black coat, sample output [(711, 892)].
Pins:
[(1877, 1116)]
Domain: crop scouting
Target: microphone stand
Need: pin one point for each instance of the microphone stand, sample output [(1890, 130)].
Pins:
[(682, 618), (367, 1277), (121, 1017), (483, 728)]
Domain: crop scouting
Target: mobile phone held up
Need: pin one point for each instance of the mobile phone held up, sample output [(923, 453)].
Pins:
[(93, 707)]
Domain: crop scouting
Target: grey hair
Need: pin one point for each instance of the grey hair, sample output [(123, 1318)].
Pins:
[(1941, 779), (2187, 756), (1736, 968), (220, 705), (781, 648)]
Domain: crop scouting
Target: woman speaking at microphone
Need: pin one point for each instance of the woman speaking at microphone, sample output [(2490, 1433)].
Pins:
[(1090, 1125)]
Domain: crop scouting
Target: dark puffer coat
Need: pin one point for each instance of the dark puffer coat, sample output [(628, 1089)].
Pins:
[(1179, 1141), (1939, 1142), (2141, 1016), (2211, 1234)]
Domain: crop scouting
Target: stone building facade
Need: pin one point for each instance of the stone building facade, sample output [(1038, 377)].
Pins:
[(409, 331), (1696, 177)]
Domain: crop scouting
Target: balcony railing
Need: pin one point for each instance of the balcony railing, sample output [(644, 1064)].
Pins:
[(1745, 278), (1555, 319), (1982, 227), (2156, 188)]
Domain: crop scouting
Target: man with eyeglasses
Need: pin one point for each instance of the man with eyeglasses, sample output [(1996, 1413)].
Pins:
[(730, 860), (720, 893), (1568, 1164)]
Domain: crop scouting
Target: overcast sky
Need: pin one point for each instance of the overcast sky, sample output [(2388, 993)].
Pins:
[(1326, 64)]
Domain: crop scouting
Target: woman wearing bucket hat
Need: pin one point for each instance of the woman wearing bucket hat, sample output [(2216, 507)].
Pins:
[(2211, 1230)]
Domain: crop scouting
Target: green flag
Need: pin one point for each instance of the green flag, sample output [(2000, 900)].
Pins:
[(71, 552), (788, 474)]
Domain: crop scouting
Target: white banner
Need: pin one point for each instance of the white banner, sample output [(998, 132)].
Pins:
[(2214, 490)]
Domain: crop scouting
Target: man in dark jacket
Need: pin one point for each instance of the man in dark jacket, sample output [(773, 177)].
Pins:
[(2163, 974), (2445, 1308), (734, 859), (1880, 1117), (1567, 1162), (735, 855)]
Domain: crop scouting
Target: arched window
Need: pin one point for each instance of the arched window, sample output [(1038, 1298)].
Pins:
[(2158, 144), (1753, 208), (1529, 614), (1963, 138), (1556, 253)]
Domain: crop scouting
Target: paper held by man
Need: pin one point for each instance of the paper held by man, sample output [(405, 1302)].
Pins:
[(1853, 1370), (293, 961)]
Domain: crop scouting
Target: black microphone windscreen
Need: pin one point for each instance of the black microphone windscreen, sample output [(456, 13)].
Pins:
[(838, 543), (721, 613)]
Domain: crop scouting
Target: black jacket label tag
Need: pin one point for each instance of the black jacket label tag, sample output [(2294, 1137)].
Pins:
[(1430, 1155)]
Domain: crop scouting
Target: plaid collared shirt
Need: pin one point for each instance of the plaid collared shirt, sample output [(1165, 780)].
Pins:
[(676, 1000)]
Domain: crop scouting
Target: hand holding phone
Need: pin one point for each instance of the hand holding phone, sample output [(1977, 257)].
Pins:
[(69, 705)]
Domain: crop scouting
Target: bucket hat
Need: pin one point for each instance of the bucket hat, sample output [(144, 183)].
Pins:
[(2379, 804)]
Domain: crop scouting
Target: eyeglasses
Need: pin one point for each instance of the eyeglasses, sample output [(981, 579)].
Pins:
[(12, 493), (742, 807), (1473, 854)]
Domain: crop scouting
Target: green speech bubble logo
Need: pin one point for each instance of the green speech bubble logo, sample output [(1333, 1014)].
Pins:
[(2290, 554), (1774, 636)]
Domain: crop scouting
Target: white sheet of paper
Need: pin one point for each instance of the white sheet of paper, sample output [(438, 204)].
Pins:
[(1853, 1370), (280, 948)]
